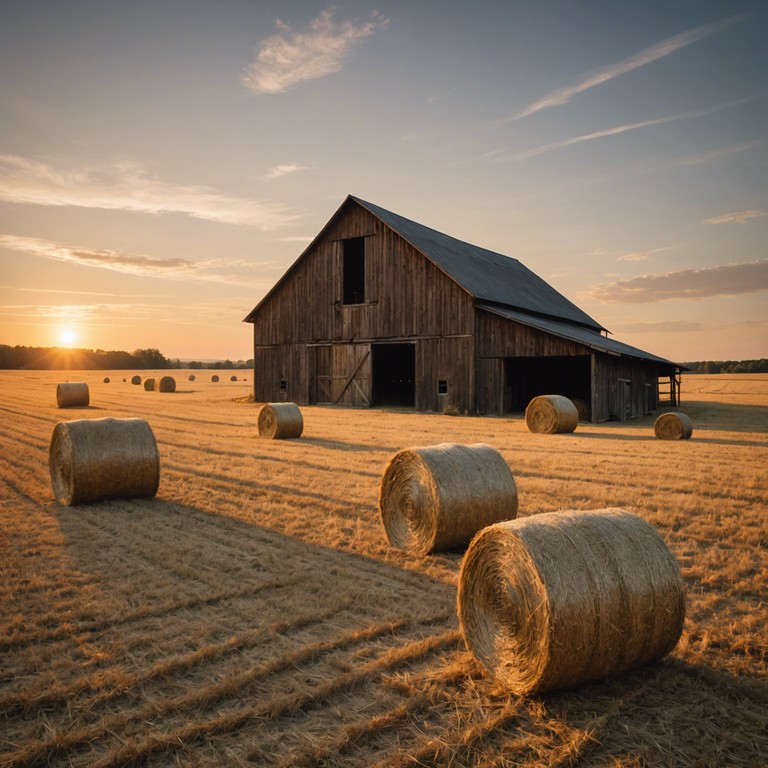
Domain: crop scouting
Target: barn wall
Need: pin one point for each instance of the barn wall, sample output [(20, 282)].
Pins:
[(624, 388), (449, 360)]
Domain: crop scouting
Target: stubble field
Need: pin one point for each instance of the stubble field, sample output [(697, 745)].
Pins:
[(254, 614)]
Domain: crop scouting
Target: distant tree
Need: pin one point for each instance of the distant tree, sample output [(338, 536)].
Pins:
[(150, 358)]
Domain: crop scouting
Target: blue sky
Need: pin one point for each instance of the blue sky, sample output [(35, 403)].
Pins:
[(162, 163)]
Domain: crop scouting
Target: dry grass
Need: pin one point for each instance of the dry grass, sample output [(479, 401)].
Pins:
[(254, 614)]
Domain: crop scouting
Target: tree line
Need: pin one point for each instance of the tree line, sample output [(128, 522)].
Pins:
[(56, 358), (729, 366)]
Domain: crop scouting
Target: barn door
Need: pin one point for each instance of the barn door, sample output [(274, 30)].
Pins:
[(321, 384), (625, 399), (351, 374)]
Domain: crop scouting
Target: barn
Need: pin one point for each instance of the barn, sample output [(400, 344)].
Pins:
[(380, 310)]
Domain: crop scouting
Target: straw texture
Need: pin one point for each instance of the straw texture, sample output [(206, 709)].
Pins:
[(280, 420), (548, 414), (98, 459), (167, 384), (581, 407), (562, 598), (149, 384), (72, 393), (673, 426), (439, 497), (136, 379)]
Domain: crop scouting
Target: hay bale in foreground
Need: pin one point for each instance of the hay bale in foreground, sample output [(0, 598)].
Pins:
[(561, 598), (136, 379), (280, 420), (214, 377), (550, 414), (673, 426), (98, 459), (581, 408), (149, 384), (166, 384), (72, 393), (439, 497)]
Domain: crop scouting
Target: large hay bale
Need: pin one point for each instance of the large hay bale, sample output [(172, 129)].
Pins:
[(562, 598), (673, 426), (149, 384), (280, 420), (98, 459), (581, 407), (166, 384), (136, 379), (72, 393), (550, 414), (439, 497)]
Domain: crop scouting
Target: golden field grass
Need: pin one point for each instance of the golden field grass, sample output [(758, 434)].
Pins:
[(254, 614)]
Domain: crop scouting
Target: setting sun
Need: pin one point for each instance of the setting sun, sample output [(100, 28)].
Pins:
[(67, 337)]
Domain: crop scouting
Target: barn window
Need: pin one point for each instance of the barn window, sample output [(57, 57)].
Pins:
[(442, 386), (283, 385), (353, 255)]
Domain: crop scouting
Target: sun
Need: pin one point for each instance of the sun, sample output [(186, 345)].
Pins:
[(67, 336)]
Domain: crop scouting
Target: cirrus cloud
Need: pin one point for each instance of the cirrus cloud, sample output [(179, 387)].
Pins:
[(691, 284), (289, 57), (740, 217)]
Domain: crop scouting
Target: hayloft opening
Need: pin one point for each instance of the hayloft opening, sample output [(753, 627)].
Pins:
[(529, 377), (353, 278), (394, 374)]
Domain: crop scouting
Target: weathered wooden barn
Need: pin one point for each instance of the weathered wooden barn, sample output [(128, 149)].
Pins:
[(380, 310)]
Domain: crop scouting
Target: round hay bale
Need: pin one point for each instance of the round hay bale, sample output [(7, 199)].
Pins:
[(280, 420), (149, 384), (98, 459), (581, 407), (233, 378), (191, 376), (439, 497), (214, 377), (166, 384), (72, 393), (561, 598), (136, 379), (106, 379), (673, 426), (550, 414)]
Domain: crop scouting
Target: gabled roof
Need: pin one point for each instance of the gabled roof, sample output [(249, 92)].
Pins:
[(484, 274)]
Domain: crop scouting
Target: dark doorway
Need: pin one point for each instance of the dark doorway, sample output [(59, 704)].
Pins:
[(528, 377), (394, 374)]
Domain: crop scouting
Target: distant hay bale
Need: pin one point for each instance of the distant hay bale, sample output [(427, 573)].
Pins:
[(550, 414), (280, 420), (149, 384), (106, 379), (673, 426), (581, 407), (135, 379), (561, 598), (191, 376), (71, 394), (166, 384), (98, 459), (439, 497), (233, 378), (214, 377)]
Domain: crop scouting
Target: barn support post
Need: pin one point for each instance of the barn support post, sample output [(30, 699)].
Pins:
[(593, 387)]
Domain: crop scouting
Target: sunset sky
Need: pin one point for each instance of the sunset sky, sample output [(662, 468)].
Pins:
[(162, 162)]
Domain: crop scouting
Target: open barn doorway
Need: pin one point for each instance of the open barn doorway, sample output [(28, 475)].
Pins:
[(528, 377), (394, 374)]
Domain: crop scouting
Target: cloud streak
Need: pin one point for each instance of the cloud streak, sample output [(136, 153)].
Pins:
[(289, 57), (691, 284), (128, 187), (283, 170), (740, 217), (233, 271), (648, 55)]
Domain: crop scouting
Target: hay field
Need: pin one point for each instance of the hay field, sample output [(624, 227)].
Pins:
[(253, 613)]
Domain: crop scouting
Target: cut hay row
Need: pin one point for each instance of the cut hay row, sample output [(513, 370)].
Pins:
[(562, 598)]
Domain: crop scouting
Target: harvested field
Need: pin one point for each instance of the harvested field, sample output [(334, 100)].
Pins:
[(254, 614)]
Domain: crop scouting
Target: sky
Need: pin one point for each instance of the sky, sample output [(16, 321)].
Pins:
[(163, 162)]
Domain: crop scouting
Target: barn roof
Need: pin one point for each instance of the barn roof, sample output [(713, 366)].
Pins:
[(484, 274)]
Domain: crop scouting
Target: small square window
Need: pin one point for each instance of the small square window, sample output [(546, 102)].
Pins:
[(283, 385), (442, 386)]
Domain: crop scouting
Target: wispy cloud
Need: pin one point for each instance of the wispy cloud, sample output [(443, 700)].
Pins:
[(740, 217), (726, 280), (128, 187), (643, 255), (716, 154), (528, 153), (283, 170), (289, 57), (209, 270), (646, 56)]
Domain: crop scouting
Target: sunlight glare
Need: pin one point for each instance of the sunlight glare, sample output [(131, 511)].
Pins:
[(67, 337)]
